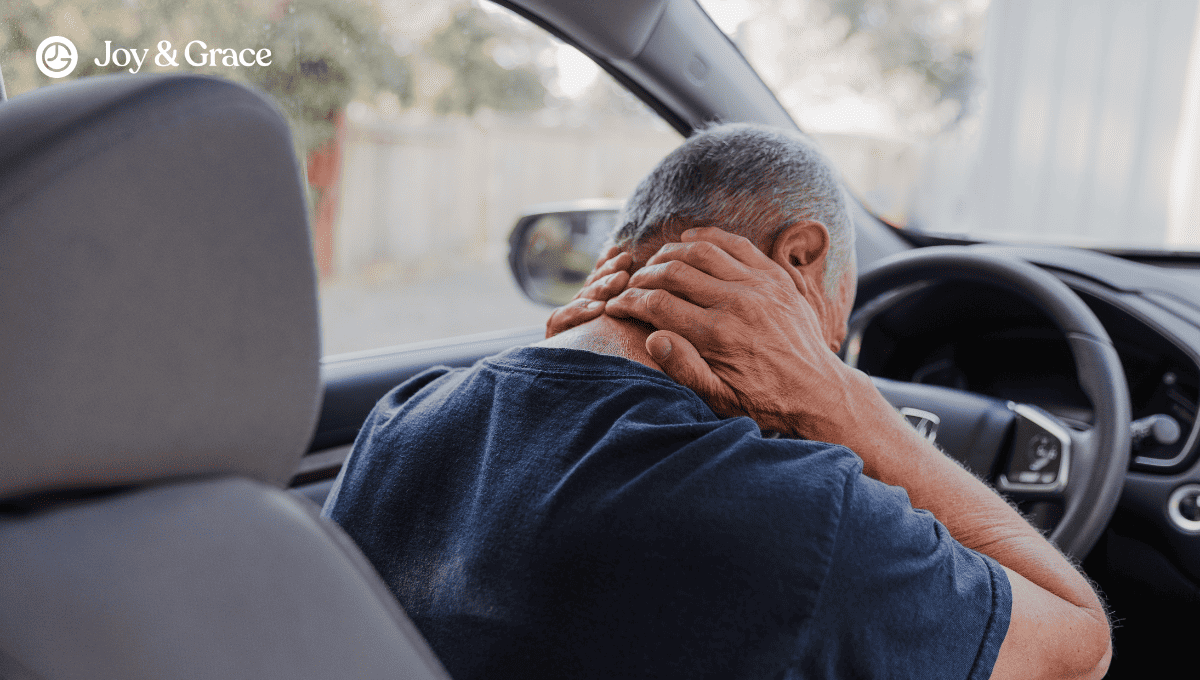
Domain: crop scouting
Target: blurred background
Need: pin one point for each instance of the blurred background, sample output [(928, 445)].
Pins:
[(426, 128)]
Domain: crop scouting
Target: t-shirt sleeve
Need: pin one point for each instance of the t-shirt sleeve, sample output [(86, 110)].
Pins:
[(902, 598)]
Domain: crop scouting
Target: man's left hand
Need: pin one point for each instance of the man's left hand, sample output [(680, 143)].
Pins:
[(607, 279)]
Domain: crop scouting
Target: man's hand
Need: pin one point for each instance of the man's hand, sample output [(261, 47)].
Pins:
[(608, 277), (735, 328)]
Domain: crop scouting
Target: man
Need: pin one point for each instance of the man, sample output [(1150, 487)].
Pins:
[(570, 510)]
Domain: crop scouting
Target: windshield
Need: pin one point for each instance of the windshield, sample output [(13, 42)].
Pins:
[(1069, 122)]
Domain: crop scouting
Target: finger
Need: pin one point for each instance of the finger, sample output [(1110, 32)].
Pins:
[(666, 311), (610, 262), (737, 246), (606, 281), (608, 254), (605, 288), (679, 359), (685, 281), (572, 314), (706, 257)]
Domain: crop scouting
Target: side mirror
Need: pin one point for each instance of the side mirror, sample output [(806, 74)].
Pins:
[(553, 247)]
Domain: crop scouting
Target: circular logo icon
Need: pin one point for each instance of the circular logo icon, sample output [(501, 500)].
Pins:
[(57, 56)]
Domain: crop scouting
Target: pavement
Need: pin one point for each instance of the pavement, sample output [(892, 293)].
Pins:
[(473, 298)]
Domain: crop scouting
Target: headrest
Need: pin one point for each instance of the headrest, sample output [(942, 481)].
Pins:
[(158, 313)]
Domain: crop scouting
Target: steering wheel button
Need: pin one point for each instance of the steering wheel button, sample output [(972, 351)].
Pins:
[(1043, 450), (1038, 457), (1039, 453)]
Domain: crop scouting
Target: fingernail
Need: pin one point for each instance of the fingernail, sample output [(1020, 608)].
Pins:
[(660, 348), (594, 305), (689, 233), (607, 279)]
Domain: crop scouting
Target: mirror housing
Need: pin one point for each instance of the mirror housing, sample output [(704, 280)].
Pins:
[(553, 247)]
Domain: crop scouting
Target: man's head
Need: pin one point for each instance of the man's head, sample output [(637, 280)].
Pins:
[(769, 185)]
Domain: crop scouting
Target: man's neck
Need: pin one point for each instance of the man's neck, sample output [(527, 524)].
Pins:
[(606, 335)]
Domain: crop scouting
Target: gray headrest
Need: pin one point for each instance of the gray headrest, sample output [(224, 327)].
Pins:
[(158, 312)]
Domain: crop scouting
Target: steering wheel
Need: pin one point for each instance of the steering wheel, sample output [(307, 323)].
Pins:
[(1080, 470)]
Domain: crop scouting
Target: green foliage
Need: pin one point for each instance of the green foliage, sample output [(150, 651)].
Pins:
[(935, 38), (324, 53), (465, 47)]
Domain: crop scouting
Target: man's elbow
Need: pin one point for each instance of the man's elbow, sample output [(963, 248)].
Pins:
[(1084, 651), (1097, 654), (1101, 668), (1051, 638)]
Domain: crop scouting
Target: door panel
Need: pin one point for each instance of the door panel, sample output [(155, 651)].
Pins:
[(354, 382)]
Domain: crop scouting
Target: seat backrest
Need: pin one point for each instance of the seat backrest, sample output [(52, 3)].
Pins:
[(159, 381)]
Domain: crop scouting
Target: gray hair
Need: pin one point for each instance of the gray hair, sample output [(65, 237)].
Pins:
[(751, 180)]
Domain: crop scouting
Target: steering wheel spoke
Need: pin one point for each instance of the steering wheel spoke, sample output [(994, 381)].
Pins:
[(1045, 464), (971, 428), (1039, 460)]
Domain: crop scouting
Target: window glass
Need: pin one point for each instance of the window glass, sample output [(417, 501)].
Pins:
[(872, 80), (1073, 122), (425, 129)]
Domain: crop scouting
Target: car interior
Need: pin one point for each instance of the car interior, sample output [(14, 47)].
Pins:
[(169, 428)]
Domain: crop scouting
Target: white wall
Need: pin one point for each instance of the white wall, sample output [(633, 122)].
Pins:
[(419, 190), (1082, 126)]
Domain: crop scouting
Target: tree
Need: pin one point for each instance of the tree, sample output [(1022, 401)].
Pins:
[(936, 39), (324, 52), (465, 47), (912, 59)]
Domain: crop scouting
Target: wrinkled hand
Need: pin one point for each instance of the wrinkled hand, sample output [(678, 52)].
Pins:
[(735, 327), (608, 278)]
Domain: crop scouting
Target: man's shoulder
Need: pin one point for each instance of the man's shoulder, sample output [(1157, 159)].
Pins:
[(529, 383), (562, 363), (556, 407), (570, 389), (553, 363)]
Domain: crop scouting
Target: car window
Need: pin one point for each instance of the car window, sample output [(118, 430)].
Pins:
[(425, 129)]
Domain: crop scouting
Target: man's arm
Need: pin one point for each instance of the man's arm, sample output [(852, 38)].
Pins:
[(1058, 627), (734, 328)]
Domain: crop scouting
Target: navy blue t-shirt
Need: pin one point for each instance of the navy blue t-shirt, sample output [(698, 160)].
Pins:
[(555, 513)]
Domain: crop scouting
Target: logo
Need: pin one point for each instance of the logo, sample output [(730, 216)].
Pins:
[(57, 56), (925, 423)]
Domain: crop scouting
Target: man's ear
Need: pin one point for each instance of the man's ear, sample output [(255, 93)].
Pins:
[(801, 250)]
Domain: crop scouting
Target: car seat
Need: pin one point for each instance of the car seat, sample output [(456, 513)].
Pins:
[(159, 382)]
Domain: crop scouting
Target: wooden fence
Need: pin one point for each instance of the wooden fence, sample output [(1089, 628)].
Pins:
[(412, 192)]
